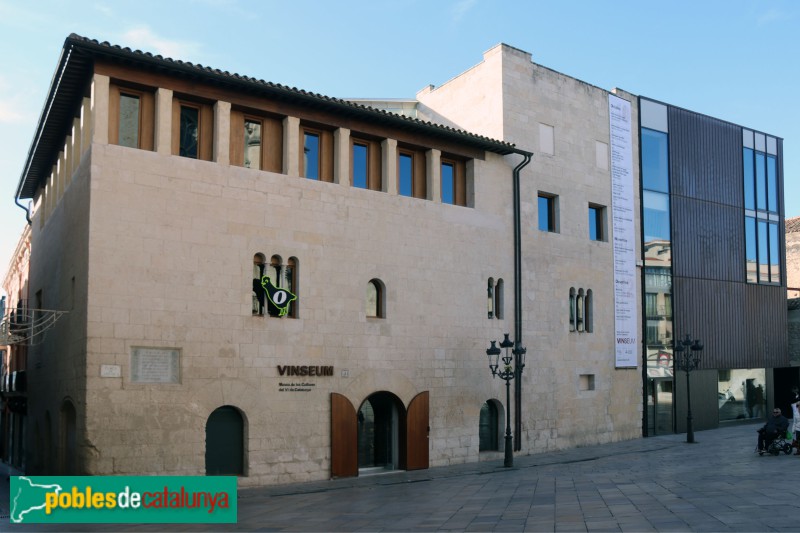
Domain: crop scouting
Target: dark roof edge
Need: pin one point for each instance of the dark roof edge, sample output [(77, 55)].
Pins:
[(75, 46)]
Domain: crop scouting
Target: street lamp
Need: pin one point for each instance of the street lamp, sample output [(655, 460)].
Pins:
[(687, 357), (507, 372)]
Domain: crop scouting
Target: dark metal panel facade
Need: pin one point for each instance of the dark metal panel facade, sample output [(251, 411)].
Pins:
[(705, 158), (741, 325)]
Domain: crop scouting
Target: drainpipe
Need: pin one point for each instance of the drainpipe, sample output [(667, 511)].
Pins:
[(27, 211), (518, 300)]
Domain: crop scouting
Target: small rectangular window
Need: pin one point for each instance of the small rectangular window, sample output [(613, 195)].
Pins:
[(189, 131), (252, 144), (360, 165), (405, 178), (129, 118), (448, 183), (311, 154), (547, 213), (597, 223)]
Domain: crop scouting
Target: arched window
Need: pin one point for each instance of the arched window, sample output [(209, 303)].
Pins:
[(490, 297), (579, 311), (572, 300), (489, 429), (498, 299), (375, 299), (589, 311)]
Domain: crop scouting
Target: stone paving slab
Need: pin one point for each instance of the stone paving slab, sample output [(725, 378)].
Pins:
[(654, 484)]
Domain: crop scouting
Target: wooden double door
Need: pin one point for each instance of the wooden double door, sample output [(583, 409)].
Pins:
[(381, 434)]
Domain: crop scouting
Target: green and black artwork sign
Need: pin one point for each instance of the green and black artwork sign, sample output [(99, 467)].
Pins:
[(280, 298)]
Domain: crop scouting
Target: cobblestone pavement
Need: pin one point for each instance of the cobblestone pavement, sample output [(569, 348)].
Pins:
[(654, 484)]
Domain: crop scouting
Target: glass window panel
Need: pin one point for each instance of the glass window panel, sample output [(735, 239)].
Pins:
[(360, 166), (595, 224), (656, 217), (189, 129), (311, 155), (655, 165), (763, 252), (761, 182), (545, 213), (774, 254), (448, 174), (129, 120), (252, 144), (750, 249), (406, 174), (772, 184), (749, 180)]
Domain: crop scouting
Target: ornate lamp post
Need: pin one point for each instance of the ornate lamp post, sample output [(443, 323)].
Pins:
[(507, 373), (687, 358)]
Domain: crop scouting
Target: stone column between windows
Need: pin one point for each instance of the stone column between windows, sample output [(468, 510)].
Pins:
[(86, 121), (100, 89), (76, 147), (389, 165), (163, 133), (291, 146), (341, 156), (222, 133), (433, 179)]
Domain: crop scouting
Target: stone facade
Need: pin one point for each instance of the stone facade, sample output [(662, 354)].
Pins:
[(150, 250)]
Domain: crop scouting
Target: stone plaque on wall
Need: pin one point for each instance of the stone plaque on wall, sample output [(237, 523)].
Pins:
[(155, 365)]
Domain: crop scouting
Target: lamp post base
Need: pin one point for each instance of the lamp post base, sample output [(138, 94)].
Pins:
[(509, 458)]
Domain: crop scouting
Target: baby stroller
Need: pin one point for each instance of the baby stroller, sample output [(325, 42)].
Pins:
[(779, 444)]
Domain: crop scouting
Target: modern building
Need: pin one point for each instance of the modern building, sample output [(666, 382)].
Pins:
[(263, 281), (793, 290)]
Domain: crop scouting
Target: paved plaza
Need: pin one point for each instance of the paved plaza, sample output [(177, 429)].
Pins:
[(654, 484)]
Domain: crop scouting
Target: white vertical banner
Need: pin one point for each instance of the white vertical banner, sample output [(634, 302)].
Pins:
[(624, 231)]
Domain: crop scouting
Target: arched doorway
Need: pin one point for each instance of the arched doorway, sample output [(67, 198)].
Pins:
[(489, 428), (225, 442), (379, 423)]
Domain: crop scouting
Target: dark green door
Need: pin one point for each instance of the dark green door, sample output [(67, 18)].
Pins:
[(225, 443)]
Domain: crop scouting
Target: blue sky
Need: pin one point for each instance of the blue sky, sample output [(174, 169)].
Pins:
[(731, 59)]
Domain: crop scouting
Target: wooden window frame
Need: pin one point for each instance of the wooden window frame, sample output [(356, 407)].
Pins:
[(419, 188), (146, 114), (271, 140), (459, 179), (374, 179), (325, 151), (205, 127)]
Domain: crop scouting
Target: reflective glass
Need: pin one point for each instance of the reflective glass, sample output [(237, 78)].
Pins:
[(772, 184), (655, 165), (406, 174), (129, 120), (359, 166), (447, 183), (749, 180), (311, 155), (751, 255), (763, 253), (252, 144), (189, 128), (595, 224), (544, 213), (761, 182), (656, 217), (741, 394), (774, 254)]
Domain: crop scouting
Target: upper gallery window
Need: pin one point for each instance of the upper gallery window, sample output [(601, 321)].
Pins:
[(365, 163), (454, 182), (411, 178), (256, 141), (131, 117), (655, 163), (317, 154), (192, 130)]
